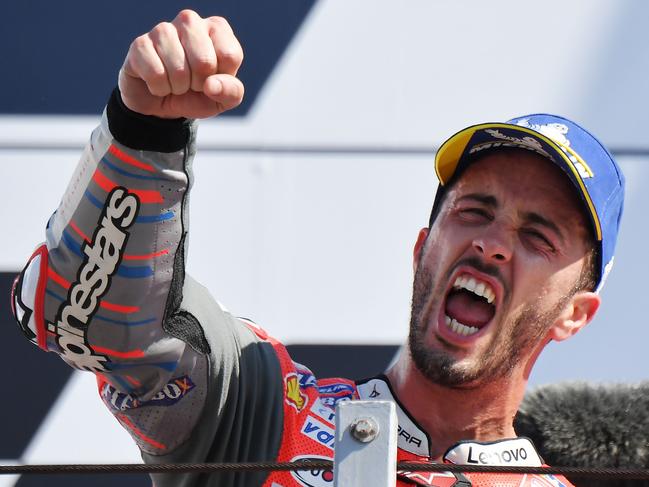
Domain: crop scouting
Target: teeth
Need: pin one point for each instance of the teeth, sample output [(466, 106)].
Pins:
[(459, 328), (489, 294), (480, 288), (455, 326), (471, 284)]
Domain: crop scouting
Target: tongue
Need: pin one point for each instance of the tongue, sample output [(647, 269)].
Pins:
[(469, 309)]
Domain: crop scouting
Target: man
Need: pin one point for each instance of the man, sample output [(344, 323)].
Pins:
[(521, 234)]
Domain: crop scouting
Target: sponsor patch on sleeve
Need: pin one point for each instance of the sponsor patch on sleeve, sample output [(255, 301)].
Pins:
[(171, 393), (293, 394), (323, 411), (307, 378), (332, 392), (319, 432)]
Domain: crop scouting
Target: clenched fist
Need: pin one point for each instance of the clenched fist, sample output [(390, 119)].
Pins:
[(184, 68)]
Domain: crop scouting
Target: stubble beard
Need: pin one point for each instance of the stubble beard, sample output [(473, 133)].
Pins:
[(515, 338)]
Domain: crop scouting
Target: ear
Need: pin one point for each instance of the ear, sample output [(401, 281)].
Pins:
[(419, 245), (577, 314)]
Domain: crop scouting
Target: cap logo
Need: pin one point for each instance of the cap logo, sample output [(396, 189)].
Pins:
[(558, 133), (555, 131), (510, 141)]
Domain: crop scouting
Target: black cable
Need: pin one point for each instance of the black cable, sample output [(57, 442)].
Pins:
[(574, 472)]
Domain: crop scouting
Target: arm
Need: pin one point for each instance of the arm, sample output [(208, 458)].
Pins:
[(108, 292)]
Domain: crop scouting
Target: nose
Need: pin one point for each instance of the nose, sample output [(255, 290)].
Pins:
[(493, 246)]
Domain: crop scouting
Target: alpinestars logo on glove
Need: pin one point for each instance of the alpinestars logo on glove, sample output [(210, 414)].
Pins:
[(103, 256)]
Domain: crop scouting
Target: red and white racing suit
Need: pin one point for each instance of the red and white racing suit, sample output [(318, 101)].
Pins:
[(107, 291)]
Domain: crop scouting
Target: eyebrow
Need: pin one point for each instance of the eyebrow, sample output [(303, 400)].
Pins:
[(531, 217), (485, 199)]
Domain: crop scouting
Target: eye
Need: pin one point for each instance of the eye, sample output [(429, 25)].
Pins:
[(474, 215), (538, 239)]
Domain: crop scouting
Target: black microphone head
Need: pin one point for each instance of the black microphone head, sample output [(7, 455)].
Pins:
[(586, 425)]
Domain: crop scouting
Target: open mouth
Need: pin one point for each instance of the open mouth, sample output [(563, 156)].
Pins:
[(470, 305)]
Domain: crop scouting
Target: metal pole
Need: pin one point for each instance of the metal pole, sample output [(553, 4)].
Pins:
[(365, 448)]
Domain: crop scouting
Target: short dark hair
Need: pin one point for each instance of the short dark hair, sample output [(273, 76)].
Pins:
[(589, 276)]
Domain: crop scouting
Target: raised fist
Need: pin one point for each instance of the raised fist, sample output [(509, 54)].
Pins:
[(184, 68)]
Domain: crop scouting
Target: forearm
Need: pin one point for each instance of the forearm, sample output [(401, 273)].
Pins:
[(106, 278)]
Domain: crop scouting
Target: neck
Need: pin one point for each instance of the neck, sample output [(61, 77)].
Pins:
[(448, 415)]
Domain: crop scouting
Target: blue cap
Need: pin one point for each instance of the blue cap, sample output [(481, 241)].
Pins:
[(591, 168)]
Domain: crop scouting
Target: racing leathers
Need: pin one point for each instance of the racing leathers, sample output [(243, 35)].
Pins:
[(107, 291)]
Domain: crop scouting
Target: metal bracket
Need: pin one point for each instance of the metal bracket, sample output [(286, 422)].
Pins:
[(365, 448)]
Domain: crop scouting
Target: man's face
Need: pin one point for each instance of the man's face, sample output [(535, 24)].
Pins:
[(498, 267)]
